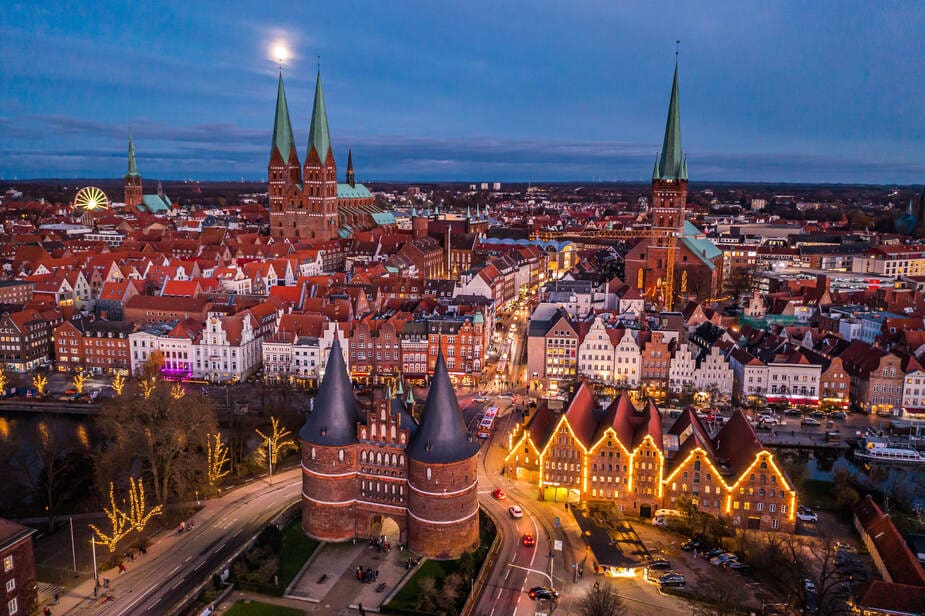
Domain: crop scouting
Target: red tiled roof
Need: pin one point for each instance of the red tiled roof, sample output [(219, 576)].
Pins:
[(736, 443), (899, 560), (893, 598), (580, 414)]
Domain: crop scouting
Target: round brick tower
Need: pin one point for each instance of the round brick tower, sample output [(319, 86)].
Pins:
[(329, 456), (443, 504)]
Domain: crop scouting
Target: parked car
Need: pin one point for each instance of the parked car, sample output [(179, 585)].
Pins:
[(721, 559), (809, 585), (714, 552), (499, 494), (811, 421), (515, 511), (659, 563), (528, 539), (735, 565), (672, 578), (817, 414), (692, 544), (768, 420), (838, 415), (480, 398), (807, 515), (543, 592), (793, 412)]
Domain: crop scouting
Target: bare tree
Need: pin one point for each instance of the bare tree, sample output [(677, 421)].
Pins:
[(602, 600), (721, 596), (167, 436)]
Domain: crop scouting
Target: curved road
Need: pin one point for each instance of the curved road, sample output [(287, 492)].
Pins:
[(177, 566)]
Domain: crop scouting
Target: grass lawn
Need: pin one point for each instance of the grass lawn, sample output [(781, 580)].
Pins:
[(297, 548), (255, 608), (407, 597)]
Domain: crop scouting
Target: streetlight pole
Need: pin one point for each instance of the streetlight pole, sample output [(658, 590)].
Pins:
[(270, 458), (96, 576), (73, 546)]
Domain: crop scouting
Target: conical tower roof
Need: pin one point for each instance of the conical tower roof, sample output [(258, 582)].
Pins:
[(333, 420), (671, 161), (319, 136), (132, 169), (441, 437), (282, 126)]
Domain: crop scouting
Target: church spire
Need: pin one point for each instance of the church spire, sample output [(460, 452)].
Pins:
[(670, 164), (132, 169), (319, 136), (351, 176), (282, 126)]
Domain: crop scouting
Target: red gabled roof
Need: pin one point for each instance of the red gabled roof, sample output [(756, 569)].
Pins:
[(898, 559), (736, 443), (580, 414)]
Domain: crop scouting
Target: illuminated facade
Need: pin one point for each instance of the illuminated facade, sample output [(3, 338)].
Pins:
[(621, 455)]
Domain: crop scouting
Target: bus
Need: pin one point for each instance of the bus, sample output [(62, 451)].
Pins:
[(488, 422)]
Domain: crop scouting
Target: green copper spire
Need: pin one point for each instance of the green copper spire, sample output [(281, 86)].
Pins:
[(282, 127), (132, 169), (319, 137), (410, 399), (670, 165)]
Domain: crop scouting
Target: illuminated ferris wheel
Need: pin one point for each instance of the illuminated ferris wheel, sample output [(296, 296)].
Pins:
[(91, 198)]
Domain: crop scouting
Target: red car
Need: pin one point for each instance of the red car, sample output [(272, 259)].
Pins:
[(498, 493), (528, 539)]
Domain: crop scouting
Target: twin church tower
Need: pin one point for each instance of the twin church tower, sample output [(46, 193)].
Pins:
[(305, 199)]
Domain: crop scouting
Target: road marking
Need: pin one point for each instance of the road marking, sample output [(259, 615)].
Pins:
[(132, 604), (498, 596), (177, 585), (188, 558), (196, 568), (237, 533), (175, 569), (492, 612)]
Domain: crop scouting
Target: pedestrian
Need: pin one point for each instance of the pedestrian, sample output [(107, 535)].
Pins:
[(376, 575), (362, 611), (56, 598), (581, 572), (46, 611)]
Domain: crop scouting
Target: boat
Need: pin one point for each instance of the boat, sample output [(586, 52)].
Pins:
[(879, 449)]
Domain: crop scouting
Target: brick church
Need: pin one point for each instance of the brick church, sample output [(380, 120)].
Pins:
[(368, 472), (698, 262), (306, 201)]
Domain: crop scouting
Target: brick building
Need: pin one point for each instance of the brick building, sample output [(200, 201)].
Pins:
[(622, 455), (25, 339), (148, 309), (18, 585), (93, 344), (375, 472), (15, 291), (306, 202)]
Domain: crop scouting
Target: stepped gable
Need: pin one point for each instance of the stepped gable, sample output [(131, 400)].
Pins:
[(397, 407), (332, 422), (581, 414), (442, 437), (736, 443)]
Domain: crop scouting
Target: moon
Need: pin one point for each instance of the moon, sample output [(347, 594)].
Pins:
[(280, 52)]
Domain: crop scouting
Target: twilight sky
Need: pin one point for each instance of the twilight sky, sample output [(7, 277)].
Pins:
[(488, 90)]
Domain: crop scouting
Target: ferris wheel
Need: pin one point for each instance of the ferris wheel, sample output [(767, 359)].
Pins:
[(91, 198)]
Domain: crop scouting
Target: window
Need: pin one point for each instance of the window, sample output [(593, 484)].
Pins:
[(8, 564), (340, 455), (11, 585), (429, 474), (12, 606), (775, 524)]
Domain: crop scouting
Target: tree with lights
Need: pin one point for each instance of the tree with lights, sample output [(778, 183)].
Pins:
[(177, 392), (147, 387), (3, 381), (40, 382), (278, 440), (119, 525), (79, 380), (216, 459), (139, 514), (118, 384)]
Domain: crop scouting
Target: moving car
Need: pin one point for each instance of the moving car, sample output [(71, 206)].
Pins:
[(499, 494), (515, 511), (528, 539), (807, 515), (543, 592), (672, 578)]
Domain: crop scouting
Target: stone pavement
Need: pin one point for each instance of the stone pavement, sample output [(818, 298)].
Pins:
[(340, 588)]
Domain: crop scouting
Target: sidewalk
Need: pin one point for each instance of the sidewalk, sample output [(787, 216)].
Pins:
[(80, 597)]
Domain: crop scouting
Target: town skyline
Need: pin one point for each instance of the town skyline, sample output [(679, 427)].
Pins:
[(444, 98)]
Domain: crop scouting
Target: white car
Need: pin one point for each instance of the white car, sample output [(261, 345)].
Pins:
[(768, 420), (807, 515), (480, 398), (515, 511)]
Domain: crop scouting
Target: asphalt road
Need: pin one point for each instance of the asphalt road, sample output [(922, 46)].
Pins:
[(158, 583)]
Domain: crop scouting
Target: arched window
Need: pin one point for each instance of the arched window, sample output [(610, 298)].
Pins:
[(392, 460), (393, 432), (313, 453), (378, 458), (429, 474), (340, 455), (403, 438), (363, 457), (373, 428)]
